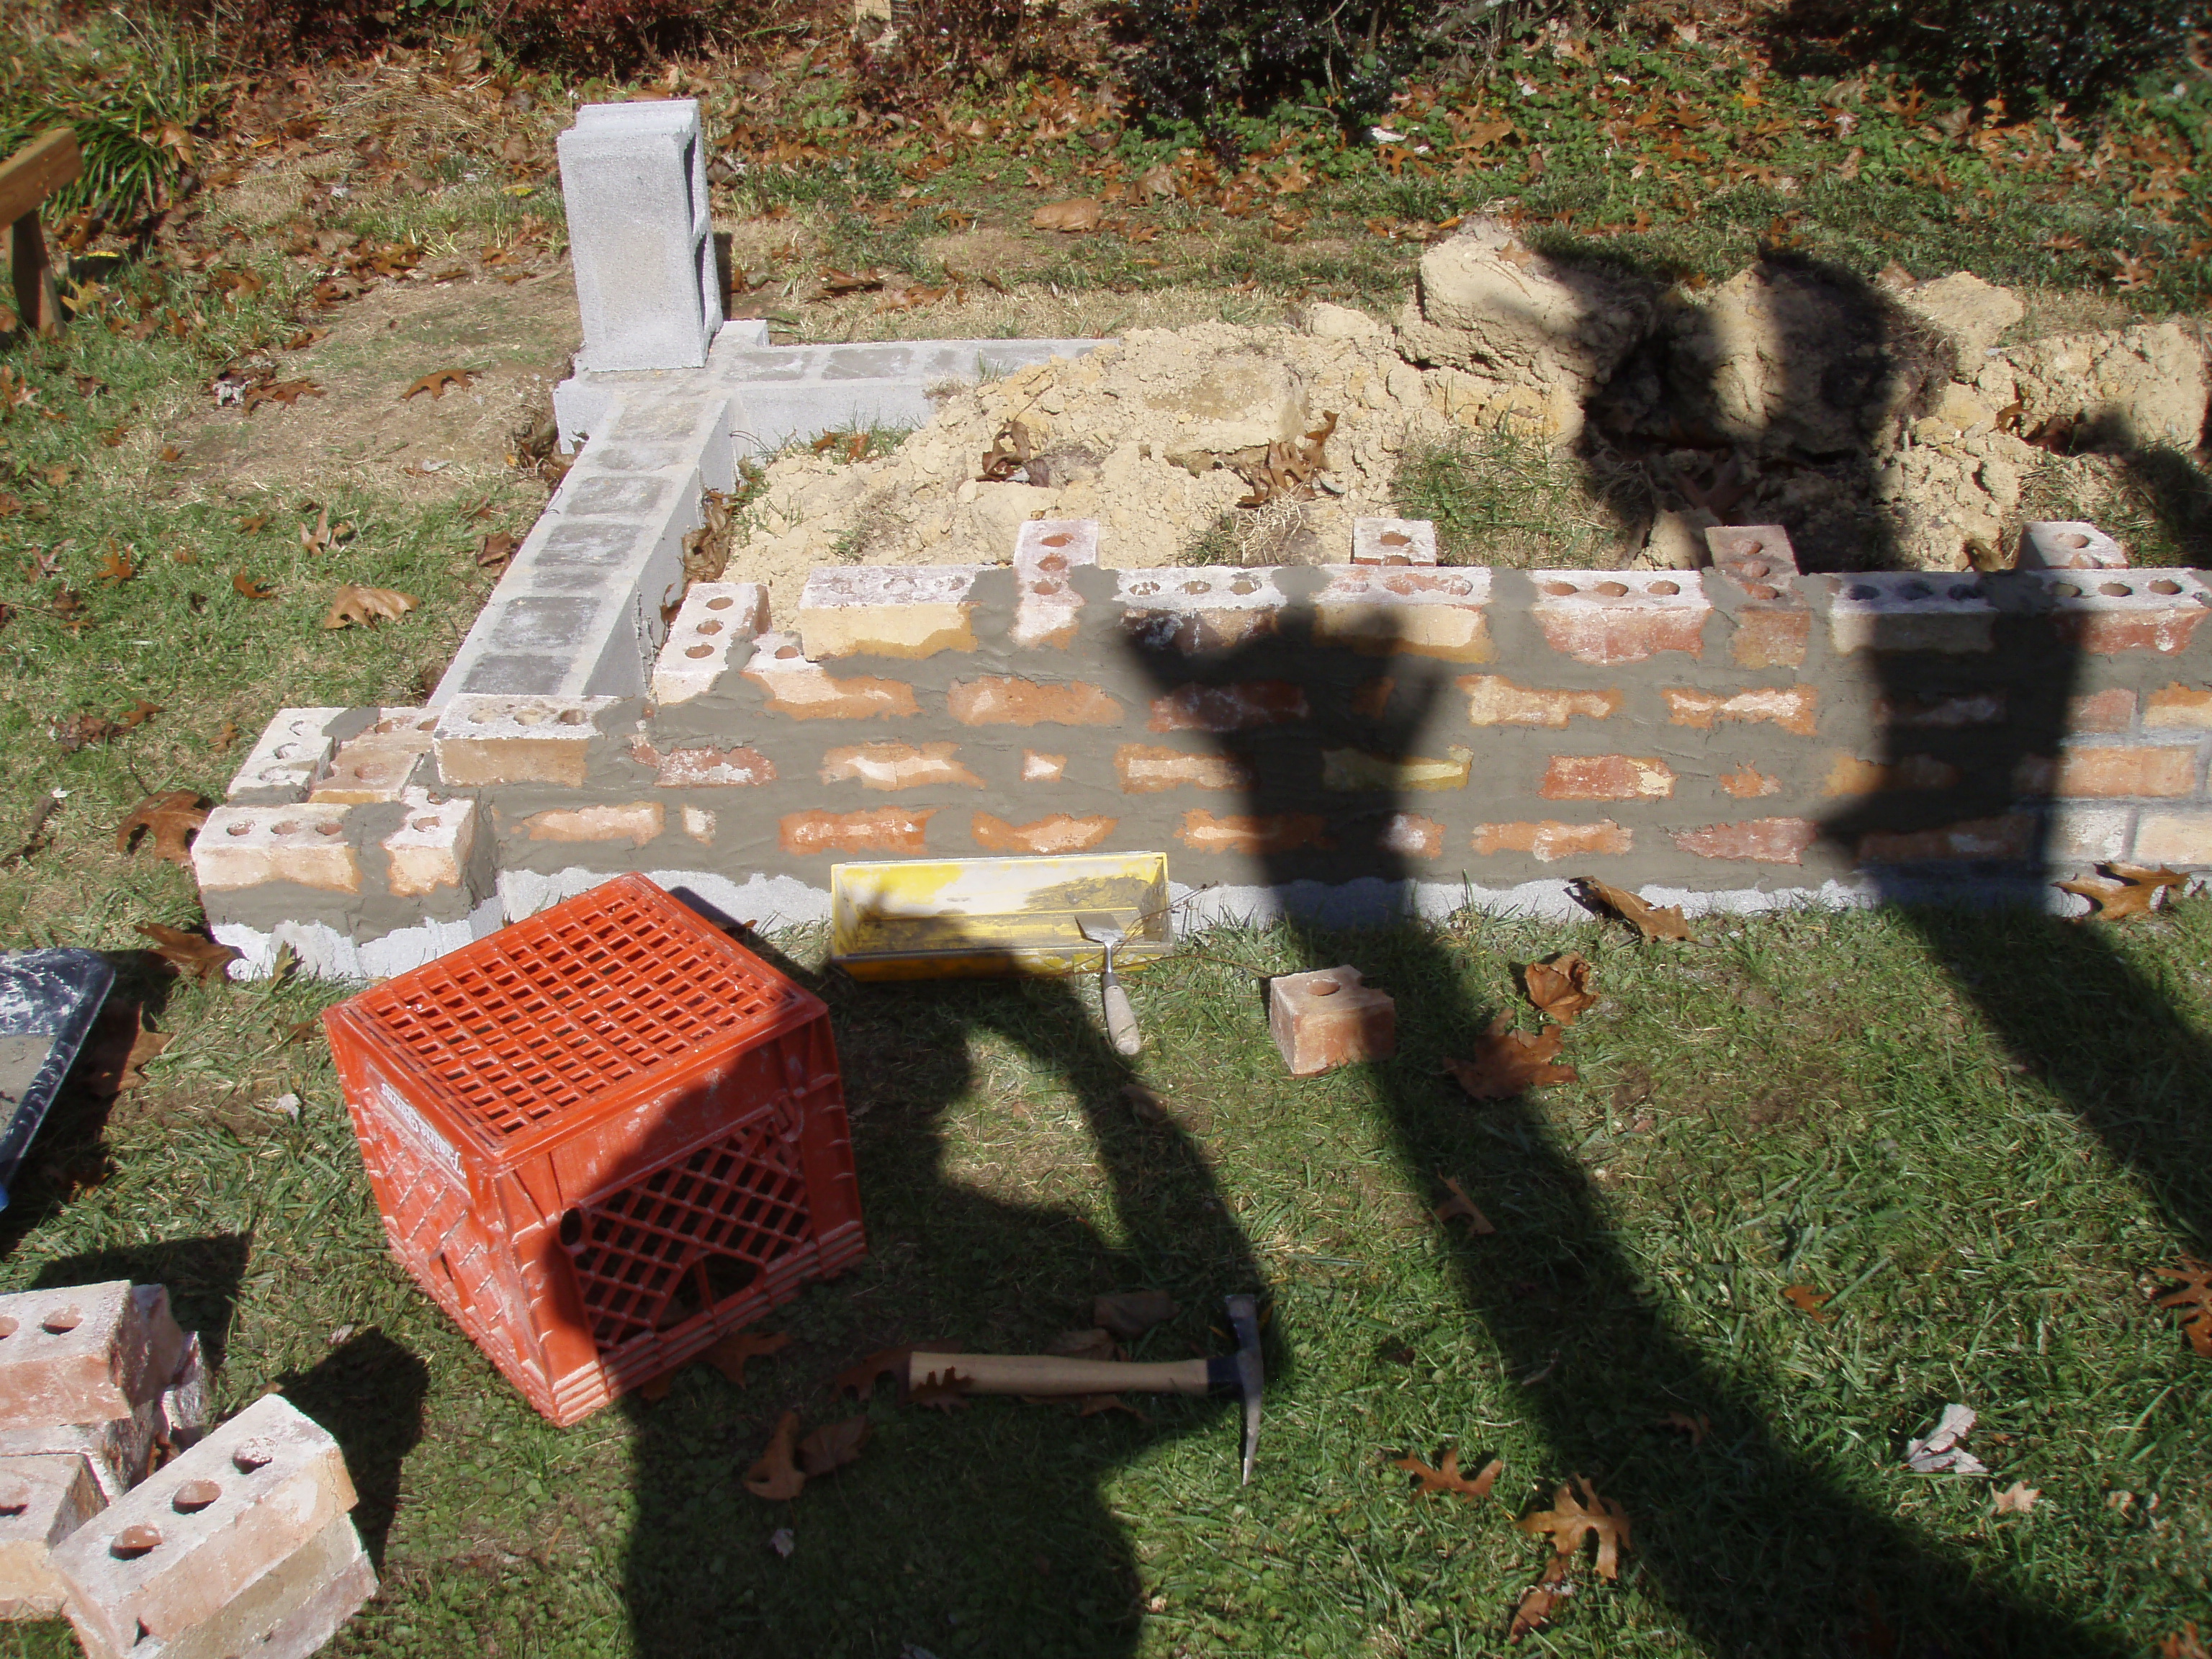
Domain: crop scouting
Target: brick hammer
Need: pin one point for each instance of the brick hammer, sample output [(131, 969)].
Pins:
[(1240, 1373)]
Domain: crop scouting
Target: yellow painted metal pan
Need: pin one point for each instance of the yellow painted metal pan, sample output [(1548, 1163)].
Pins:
[(982, 918)]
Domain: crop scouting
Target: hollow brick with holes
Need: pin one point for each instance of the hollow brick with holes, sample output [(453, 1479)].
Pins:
[(715, 620), (910, 612), (805, 690), (1062, 832), (1048, 609), (596, 1201), (1328, 1018), (173, 1553), (42, 1501), (84, 1353), (1608, 620), (241, 847), (485, 739)]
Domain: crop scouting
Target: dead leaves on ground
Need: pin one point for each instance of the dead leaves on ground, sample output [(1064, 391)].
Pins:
[(1459, 1206), (2018, 1499), (1009, 455), (82, 731), (730, 1355), (1650, 922), (364, 607), (1071, 217), (776, 1475), (2124, 890), (1558, 987), (170, 820), (250, 587), (832, 1446), (2193, 1300), (1506, 1062), (1130, 1313), (1809, 1302), (1291, 471), (437, 380), (1429, 1482), (286, 392), (1568, 1523), (190, 952)]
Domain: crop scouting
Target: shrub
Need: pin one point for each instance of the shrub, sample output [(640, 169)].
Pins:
[(131, 92), (608, 37), (1201, 60), (2075, 50)]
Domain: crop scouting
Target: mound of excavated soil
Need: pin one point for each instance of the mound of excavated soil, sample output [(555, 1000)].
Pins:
[(1880, 425)]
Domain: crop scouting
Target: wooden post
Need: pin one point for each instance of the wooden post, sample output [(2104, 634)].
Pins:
[(27, 179)]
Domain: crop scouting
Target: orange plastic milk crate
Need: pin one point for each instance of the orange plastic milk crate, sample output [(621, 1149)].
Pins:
[(601, 1138)]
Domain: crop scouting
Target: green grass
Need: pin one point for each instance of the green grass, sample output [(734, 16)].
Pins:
[(1501, 497)]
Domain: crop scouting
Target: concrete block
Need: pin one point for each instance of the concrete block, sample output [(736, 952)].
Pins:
[(1046, 607), (1394, 541), (42, 1501), (189, 1540), (289, 759), (1610, 616), (633, 180), (715, 616), (484, 739), (289, 1612), (2062, 545), (247, 845), (1422, 613), (1900, 610), (888, 611), (432, 847), (82, 1353)]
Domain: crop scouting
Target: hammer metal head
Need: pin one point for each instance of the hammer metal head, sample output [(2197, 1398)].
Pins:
[(1251, 1374)]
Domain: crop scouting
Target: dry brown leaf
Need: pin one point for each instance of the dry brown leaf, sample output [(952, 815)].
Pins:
[(258, 522), (944, 1391), (201, 957), (860, 1379), (1806, 1300), (366, 605), (1096, 1405), (1070, 217), (2183, 1645), (137, 714), (2194, 1298), (1696, 1427), (1569, 1522), (1558, 987), (286, 392), (1649, 922), (253, 589), (1448, 1478), (832, 1446), (1130, 1313), (1507, 1062), (143, 1048), (775, 1476), (729, 1355), (2018, 1499), (1541, 1597), (226, 736), (655, 1388), (320, 536), (495, 549), (1460, 1207), (1145, 1106), (1093, 1344), (115, 567), (1009, 454), (171, 819), (2132, 891), (437, 380)]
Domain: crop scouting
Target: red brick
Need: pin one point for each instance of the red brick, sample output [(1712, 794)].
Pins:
[(1606, 777), (1371, 699), (1493, 700), (1327, 1018), (1061, 833), (2102, 711), (898, 766), (1037, 766), (1763, 841), (1622, 632), (1008, 702), (82, 1353), (1774, 638), (2183, 838), (1551, 841), (2107, 632), (1747, 780), (886, 830), (1977, 840), (1228, 708), (1145, 770), (1850, 776), (2181, 708), (1411, 836), (697, 768), (1260, 834), (805, 691), (636, 822), (2109, 772), (1792, 707), (1974, 708)]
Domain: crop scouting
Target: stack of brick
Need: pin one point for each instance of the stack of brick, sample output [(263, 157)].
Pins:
[(94, 1381), (241, 1546)]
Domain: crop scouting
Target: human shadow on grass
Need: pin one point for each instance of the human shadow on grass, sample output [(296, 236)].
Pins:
[(982, 1531), (203, 1273), (1751, 1545), (368, 1393)]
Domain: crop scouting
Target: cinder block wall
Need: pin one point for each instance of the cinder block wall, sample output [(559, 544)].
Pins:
[(1742, 732)]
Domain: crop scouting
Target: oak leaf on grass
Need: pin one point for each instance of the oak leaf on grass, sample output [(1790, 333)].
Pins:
[(1696, 1427), (2193, 1300), (190, 952), (1506, 1062), (1129, 1314), (1459, 1206), (1448, 1478), (2018, 1499), (170, 820), (1650, 922), (2124, 890), (1559, 986), (944, 1391), (775, 1476), (1570, 1520), (729, 1355), (365, 606), (1808, 1300), (1070, 217), (832, 1446), (250, 587), (437, 380), (860, 1380), (1538, 1600)]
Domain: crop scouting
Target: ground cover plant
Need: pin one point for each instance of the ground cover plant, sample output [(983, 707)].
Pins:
[(1816, 1176)]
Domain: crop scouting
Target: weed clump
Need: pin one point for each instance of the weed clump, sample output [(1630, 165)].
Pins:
[(2079, 51)]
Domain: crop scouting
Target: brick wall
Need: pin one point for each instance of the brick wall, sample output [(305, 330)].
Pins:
[(1744, 728)]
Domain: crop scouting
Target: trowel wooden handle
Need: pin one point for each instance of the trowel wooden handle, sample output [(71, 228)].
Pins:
[(1122, 1021), (1022, 1373)]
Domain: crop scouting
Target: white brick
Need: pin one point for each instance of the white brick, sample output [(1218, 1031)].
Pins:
[(715, 616), (42, 1501), (523, 739), (288, 760), (1394, 541), (431, 848), (247, 845)]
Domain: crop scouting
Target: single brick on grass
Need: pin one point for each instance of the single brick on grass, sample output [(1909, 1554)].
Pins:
[(1328, 1018)]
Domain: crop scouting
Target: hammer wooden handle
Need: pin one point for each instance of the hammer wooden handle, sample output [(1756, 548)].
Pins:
[(1022, 1373)]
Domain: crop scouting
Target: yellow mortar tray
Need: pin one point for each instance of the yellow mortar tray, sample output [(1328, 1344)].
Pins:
[(981, 918)]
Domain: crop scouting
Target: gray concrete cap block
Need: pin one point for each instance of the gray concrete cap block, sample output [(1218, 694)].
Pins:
[(635, 242)]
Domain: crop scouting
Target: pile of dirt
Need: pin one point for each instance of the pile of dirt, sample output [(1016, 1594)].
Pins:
[(1884, 424)]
